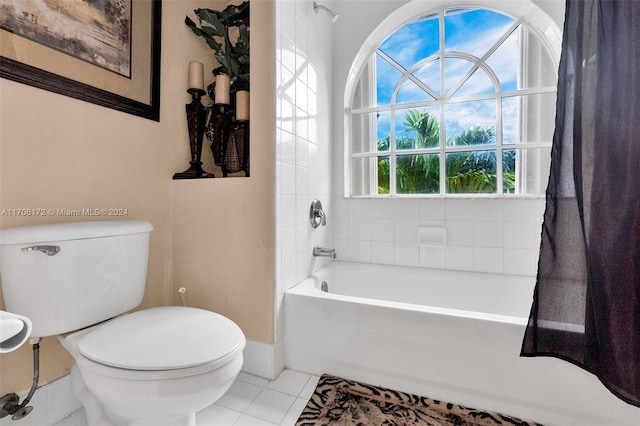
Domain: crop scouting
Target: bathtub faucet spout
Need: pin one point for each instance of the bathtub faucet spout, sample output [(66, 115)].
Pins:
[(326, 252)]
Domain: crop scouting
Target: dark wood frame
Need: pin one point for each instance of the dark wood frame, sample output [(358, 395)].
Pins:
[(26, 74)]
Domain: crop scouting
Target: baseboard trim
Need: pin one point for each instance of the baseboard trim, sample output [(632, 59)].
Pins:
[(263, 359)]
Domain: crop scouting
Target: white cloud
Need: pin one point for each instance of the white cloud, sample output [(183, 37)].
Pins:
[(465, 115)]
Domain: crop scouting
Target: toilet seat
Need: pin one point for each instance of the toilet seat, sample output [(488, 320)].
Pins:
[(159, 343)]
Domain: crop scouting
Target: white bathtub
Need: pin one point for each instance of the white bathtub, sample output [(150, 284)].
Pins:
[(448, 335)]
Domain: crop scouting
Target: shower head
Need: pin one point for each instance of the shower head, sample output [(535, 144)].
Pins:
[(316, 7)]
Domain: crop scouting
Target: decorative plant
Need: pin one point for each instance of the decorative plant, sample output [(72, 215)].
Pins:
[(214, 28)]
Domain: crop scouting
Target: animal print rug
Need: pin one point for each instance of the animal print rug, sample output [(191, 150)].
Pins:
[(341, 402)]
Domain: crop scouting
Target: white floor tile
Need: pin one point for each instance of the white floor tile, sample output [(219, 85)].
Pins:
[(250, 378), (271, 406), (294, 412), (309, 388), (76, 419), (251, 401), (216, 415), (290, 382), (240, 396), (246, 420)]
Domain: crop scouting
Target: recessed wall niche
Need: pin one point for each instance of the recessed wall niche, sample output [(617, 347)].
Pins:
[(223, 123)]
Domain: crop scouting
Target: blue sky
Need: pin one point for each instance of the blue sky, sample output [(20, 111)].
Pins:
[(419, 42)]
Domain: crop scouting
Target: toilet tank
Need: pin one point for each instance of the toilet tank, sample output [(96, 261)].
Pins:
[(67, 276)]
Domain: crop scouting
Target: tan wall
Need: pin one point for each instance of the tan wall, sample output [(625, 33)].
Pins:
[(224, 233), (57, 152)]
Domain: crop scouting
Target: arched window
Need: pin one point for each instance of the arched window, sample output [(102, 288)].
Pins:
[(459, 100)]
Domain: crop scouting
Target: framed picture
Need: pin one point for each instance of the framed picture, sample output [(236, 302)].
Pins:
[(106, 52)]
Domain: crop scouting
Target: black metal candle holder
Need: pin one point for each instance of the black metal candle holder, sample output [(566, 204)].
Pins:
[(195, 125), (219, 127), (241, 135), (229, 140), (228, 136)]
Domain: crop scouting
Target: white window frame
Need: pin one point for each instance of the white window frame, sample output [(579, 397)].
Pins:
[(523, 12)]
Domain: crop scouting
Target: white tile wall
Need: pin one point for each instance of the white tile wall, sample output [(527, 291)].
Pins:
[(303, 146), (484, 235)]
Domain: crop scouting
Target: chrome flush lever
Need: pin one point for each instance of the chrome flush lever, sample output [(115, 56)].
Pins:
[(48, 250)]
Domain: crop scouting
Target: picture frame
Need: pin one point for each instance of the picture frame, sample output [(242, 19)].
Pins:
[(26, 61)]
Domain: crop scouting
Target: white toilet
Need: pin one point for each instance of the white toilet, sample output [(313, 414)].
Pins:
[(156, 366)]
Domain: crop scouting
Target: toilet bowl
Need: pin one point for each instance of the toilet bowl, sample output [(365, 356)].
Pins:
[(155, 366)]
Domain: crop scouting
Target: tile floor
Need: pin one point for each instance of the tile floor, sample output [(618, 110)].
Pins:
[(251, 401)]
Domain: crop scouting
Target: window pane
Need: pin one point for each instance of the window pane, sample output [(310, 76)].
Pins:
[(478, 83), (471, 172), (509, 170), (413, 42), (526, 171), (502, 62), (411, 92), (418, 174), (417, 128), (364, 94), (429, 74), (384, 175), (370, 132), (364, 173), (454, 70), (529, 118), (486, 26), (471, 123), (386, 79), (383, 130), (537, 69)]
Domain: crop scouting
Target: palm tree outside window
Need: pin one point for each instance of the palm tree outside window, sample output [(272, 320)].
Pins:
[(457, 101)]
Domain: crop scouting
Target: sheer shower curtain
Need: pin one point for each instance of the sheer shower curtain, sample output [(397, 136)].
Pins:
[(586, 307)]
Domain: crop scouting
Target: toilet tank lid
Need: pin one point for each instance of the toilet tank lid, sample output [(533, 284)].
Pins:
[(66, 231)]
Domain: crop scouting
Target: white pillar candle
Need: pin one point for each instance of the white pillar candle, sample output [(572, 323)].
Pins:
[(242, 105), (196, 75), (223, 89)]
